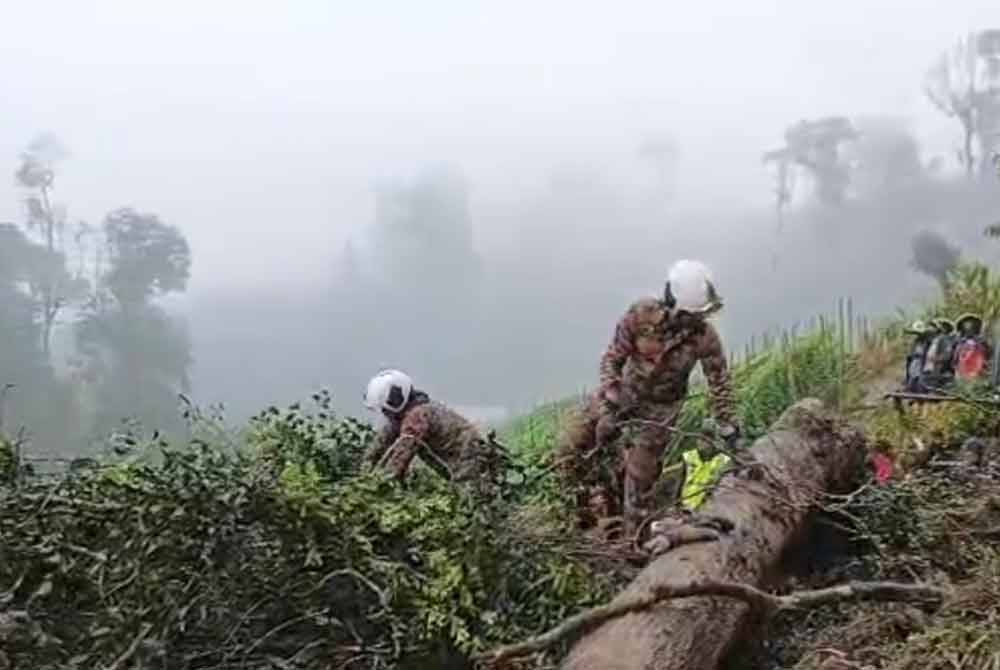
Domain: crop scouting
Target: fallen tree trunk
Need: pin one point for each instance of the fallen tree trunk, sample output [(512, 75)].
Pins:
[(808, 453)]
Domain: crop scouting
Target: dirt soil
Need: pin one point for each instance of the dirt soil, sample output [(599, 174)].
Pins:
[(939, 524)]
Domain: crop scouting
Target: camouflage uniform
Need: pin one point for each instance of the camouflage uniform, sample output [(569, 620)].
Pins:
[(644, 381), (445, 440)]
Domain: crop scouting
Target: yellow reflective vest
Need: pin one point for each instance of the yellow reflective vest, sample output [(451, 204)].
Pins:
[(700, 477)]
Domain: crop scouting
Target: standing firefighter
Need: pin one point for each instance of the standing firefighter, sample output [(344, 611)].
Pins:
[(644, 382), (418, 426)]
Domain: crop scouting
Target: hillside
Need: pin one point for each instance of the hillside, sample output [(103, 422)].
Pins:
[(271, 548)]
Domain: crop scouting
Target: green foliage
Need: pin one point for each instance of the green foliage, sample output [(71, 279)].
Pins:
[(904, 526), (281, 553), (972, 287), (293, 435), (933, 425), (969, 287), (817, 364), (814, 365), (533, 435)]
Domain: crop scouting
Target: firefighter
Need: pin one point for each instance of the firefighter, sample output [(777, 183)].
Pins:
[(644, 377), (417, 426)]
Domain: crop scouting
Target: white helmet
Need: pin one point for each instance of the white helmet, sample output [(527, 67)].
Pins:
[(378, 395), (690, 288)]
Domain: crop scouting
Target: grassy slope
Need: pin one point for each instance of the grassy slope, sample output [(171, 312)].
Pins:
[(936, 524), (452, 575), (817, 362)]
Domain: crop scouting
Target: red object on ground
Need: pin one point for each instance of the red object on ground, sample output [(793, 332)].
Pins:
[(883, 467)]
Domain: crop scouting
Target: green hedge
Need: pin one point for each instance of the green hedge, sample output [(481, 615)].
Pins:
[(280, 553)]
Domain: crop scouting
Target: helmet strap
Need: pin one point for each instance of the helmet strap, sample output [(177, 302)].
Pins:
[(394, 402), (668, 297)]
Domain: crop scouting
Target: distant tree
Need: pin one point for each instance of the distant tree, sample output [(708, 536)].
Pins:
[(21, 354), (934, 256), (147, 257), (784, 177), (884, 155), (661, 153), (40, 402), (138, 356), (964, 84), (52, 285), (140, 361), (813, 146), (423, 232), (422, 276)]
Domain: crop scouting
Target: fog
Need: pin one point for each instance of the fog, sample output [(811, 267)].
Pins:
[(519, 217)]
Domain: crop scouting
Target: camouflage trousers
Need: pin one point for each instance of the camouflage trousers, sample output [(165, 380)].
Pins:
[(612, 460), (479, 462), (482, 464)]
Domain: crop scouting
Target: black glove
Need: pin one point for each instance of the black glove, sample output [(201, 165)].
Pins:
[(733, 437)]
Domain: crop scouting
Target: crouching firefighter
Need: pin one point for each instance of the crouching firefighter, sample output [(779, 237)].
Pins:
[(417, 426), (644, 376)]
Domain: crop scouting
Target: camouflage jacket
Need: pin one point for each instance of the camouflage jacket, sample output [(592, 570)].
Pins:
[(445, 440), (650, 360)]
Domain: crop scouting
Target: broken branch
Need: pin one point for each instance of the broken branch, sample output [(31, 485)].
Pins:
[(767, 603)]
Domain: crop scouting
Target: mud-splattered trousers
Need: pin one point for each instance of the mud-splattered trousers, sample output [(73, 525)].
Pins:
[(442, 438), (645, 373)]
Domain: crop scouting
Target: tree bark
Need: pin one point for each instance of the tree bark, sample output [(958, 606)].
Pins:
[(808, 453)]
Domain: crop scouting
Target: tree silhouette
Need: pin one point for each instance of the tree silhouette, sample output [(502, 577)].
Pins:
[(52, 286), (137, 355), (964, 84), (934, 256), (661, 152), (813, 146)]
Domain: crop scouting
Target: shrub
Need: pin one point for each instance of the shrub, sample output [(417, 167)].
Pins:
[(282, 553)]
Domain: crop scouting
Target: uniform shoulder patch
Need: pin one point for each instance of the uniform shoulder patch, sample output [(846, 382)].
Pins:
[(418, 419)]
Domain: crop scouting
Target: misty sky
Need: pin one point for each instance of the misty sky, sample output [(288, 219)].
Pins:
[(258, 127)]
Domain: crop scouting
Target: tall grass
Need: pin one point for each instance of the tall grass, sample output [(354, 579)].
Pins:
[(913, 435), (815, 359), (972, 288), (533, 434), (818, 358)]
